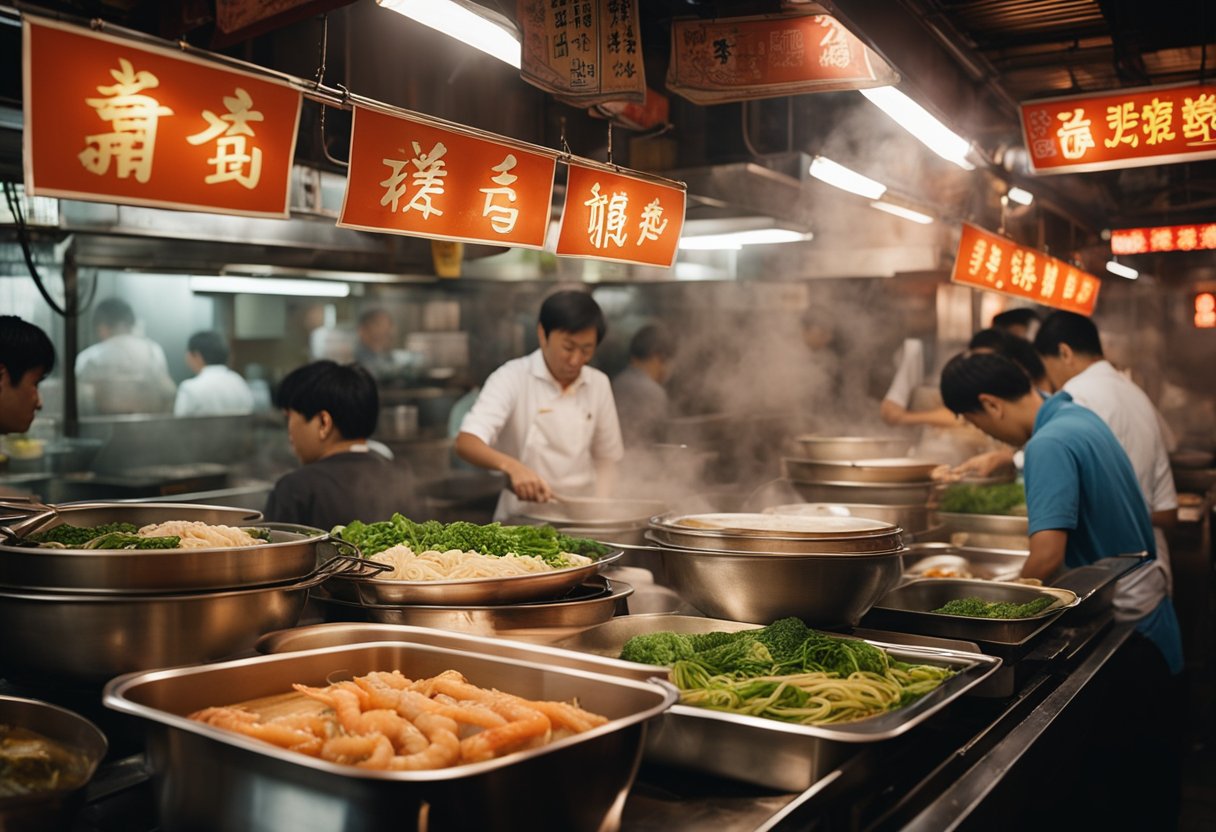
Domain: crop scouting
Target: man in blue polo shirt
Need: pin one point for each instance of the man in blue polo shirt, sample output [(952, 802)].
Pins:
[(1084, 503)]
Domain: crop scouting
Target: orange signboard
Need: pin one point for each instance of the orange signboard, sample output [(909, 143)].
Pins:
[(1129, 128), (1163, 238), (410, 177), (611, 216), (997, 264), (1205, 311), (112, 121), (741, 58)]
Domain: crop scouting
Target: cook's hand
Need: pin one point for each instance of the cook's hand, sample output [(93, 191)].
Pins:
[(527, 484), (983, 465), (945, 473)]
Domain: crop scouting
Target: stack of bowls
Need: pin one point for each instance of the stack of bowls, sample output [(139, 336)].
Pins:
[(859, 470), (828, 571)]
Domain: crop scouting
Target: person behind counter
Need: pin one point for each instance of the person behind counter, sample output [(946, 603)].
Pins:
[(1022, 322), (27, 356), (215, 390), (1084, 504), (377, 335), (123, 372), (331, 411), (547, 420), (641, 401)]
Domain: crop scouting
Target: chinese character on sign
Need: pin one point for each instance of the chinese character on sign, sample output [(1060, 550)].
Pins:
[(132, 117), (1051, 272), (606, 221), (1070, 285), (650, 227), (1039, 126), (722, 50), (560, 48), (834, 45), (1199, 119), (1207, 236), (1075, 135), (1188, 238), (428, 177), (1157, 116), (229, 132), (1086, 291), (977, 257), (1122, 120), (993, 266), (1205, 310), (502, 217), (1161, 239), (1133, 243), (1021, 267)]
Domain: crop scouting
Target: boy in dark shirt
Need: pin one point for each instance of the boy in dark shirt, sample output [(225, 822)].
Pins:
[(331, 411)]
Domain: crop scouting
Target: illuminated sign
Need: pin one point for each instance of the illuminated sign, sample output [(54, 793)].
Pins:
[(1130, 128), (1205, 311), (997, 264), (1163, 238)]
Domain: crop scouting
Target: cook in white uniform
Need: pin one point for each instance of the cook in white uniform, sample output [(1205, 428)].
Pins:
[(124, 372), (547, 420), (215, 390)]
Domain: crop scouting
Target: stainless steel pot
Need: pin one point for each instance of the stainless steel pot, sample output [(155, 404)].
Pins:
[(51, 810), (593, 511), (875, 470), (89, 638), (292, 553), (912, 519), (852, 447), (671, 531), (895, 494), (998, 524)]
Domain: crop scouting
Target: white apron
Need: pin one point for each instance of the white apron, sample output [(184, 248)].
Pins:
[(558, 448)]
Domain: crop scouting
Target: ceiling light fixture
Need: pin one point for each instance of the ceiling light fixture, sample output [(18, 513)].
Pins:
[(922, 125), (735, 240), (1020, 195), (825, 170), (901, 211), (268, 286), (1115, 267), (457, 21)]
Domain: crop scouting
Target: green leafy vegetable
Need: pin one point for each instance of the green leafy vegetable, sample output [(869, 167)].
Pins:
[(543, 542), (74, 537), (1007, 498), (256, 533), (657, 648), (122, 540), (979, 608)]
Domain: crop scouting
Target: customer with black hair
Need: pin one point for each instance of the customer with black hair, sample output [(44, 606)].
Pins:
[(27, 356), (1017, 322), (547, 420), (1073, 358), (331, 411), (641, 400), (215, 390), (1083, 505), (123, 372)]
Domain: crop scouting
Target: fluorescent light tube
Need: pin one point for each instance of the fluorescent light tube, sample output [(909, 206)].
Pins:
[(269, 286), (922, 125), (456, 21), (1020, 195), (901, 211), (825, 170), (1115, 267), (735, 240)]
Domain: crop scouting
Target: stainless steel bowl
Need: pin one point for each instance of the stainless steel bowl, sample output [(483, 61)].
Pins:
[(50, 810), (835, 535), (1010, 525), (209, 779), (822, 590), (912, 519), (852, 447), (870, 470), (593, 511), (292, 553), (894, 494)]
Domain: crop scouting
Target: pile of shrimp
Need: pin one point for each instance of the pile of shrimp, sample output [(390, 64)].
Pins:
[(387, 722)]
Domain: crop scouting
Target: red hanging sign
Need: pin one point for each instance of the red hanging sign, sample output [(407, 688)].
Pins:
[(997, 264), (410, 177), (1163, 238), (1130, 128), (111, 121), (611, 216)]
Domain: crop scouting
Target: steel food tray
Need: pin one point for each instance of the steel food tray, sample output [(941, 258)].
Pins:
[(908, 608), (470, 591), (1000, 524), (591, 603), (983, 564), (895, 494), (886, 470), (767, 752), (207, 778)]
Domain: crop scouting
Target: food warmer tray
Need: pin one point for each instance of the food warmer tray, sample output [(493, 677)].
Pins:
[(207, 778), (908, 608), (1009, 525), (983, 563)]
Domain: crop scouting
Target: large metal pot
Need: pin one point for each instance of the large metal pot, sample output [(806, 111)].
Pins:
[(50, 810), (292, 553), (864, 537), (875, 470), (844, 448), (895, 494), (912, 519), (89, 638)]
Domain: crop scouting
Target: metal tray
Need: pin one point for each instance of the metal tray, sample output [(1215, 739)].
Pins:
[(769, 752), (912, 519), (207, 778), (593, 602), (470, 591), (1002, 524), (875, 470), (893, 494), (593, 511), (983, 564), (908, 608), (852, 447)]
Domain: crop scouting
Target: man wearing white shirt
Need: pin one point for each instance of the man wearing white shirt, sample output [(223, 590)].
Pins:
[(1072, 355), (215, 390), (123, 372), (547, 420)]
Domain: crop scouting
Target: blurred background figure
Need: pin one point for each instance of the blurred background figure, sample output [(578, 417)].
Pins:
[(215, 390), (641, 399), (1023, 322), (123, 372), (377, 337)]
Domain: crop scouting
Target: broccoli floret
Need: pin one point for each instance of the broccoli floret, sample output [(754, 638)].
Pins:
[(744, 656), (784, 639), (657, 648), (708, 641)]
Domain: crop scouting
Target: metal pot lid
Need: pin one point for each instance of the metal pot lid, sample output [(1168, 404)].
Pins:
[(774, 525)]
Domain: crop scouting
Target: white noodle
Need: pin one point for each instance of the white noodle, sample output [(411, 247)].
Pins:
[(455, 565), (197, 535)]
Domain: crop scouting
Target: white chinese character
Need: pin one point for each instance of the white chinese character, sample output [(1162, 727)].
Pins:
[(834, 45), (595, 218), (650, 227), (615, 226), (502, 217), (132, 117), (1075, 135), (428, 176), (394, 186), (977, 257), (229, 132)]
